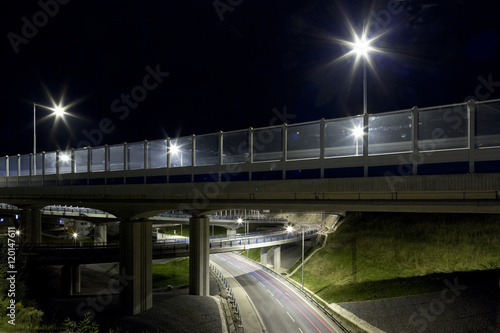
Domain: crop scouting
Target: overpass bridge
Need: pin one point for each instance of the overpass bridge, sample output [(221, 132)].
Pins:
[(436, 159)]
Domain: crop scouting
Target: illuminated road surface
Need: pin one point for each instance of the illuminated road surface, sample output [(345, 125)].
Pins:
[(280, 306)]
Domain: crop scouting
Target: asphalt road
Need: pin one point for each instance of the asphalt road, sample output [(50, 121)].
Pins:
[(280, 307)]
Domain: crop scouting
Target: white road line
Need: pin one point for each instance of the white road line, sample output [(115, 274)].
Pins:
[(300, 330), (290, 316), (270, 292), (262, 285), (279, 303)]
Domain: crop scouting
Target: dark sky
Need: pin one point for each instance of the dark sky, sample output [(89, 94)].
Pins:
[(229, 70)]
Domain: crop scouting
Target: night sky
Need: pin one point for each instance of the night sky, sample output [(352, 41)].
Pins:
[(150, 69)]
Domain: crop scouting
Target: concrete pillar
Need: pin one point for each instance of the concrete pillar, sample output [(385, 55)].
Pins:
[(199, 250), (277, 258), (31, 225), (231, 232), (100, 234), (136, 258), (263, 256), (76, 285), (70, 279)]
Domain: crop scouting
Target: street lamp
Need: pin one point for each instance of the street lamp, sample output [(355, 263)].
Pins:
[(357, 132), (18, 233), (75, 235), (290, 229), (57, 110), (361, 47)]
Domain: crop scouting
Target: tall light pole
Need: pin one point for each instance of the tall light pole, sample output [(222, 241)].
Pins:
[(303, 237), (361, 47), (58, 111)]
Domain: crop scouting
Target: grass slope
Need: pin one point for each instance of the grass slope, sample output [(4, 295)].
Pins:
[(377, 255)]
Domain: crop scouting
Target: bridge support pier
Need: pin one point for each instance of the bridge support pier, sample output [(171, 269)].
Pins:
[(199, 250), (100, 234), (31, 225), (263, 256), (277, 258), (70, 279), (136, 256)]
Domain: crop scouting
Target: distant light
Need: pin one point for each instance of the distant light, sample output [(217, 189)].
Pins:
[(362, 46), (18, 232), (1, 220), (289, 228), (239, 220), (357, 132), (59, 111), (64, 157), (174, 149), (75, 235)]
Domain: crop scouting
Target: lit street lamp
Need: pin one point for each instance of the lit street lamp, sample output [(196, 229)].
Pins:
[(358, 133), (57, 110), (75, 235), (362, 48), (290, 229)]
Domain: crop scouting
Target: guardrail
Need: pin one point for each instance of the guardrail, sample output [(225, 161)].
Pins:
[(324, 148), (229, 290)]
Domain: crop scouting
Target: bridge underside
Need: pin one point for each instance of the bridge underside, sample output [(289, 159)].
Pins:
[(475, 193)]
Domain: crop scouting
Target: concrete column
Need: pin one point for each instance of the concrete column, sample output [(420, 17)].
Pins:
[(136, 258), (100, 234), (231, 232), (31, 225), (70, 280), (263, 256), (199, 250), (76, 285), (277, 258)]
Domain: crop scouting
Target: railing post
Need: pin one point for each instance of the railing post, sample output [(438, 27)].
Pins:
[(365, 144), (43, 168), (193, 155), (322, 125), (32, 170), (72, 161), (125, 156), (414, 142), (471, 114), (250, 152), (145, 154), (169, 159), (285, 147), (89, 159), (58, 154), (221, 151), (106, 158)]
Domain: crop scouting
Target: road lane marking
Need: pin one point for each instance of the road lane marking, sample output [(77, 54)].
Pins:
[(290, 316), (280, 303), (263, 286), (302, 301), (270, 292), (300, 330)]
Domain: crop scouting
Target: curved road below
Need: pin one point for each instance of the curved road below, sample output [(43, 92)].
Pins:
[(279, 306)]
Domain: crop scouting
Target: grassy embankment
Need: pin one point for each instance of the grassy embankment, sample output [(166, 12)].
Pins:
[(379, 255)]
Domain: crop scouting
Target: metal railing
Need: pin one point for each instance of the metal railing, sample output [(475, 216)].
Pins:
[(469, 127)]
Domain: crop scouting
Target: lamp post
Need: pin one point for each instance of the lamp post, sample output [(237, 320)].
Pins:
[(58, 111), (303, 237), (75, 235), (358, 133), (361, 47)]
